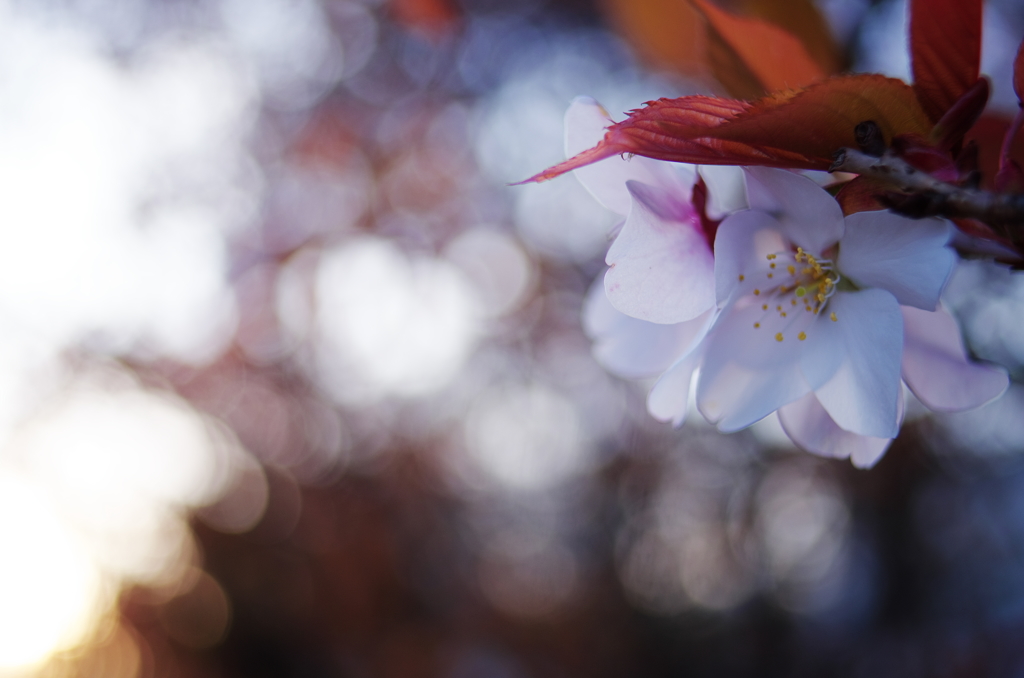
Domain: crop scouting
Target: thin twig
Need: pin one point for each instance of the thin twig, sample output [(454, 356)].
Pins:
[(918, 194)]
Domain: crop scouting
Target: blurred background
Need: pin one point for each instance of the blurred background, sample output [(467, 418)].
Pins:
[(293, 383)]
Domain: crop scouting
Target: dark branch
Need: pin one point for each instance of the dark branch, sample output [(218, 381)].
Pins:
[(918, 194)]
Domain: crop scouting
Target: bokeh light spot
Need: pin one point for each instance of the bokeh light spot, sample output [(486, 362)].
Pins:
[(50, 589), (391, 325)]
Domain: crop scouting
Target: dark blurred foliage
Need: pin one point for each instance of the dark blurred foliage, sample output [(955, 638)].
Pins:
[(670, 553)]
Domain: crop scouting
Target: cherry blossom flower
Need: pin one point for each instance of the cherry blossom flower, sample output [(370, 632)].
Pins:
[(822, 318), (790, 308)]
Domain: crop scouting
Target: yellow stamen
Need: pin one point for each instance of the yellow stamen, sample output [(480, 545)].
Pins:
[(833, 316), (811, 281), (801, 336), (742, 277)]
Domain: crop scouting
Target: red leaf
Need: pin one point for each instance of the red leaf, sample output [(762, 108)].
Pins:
[(945, 51), (665, 33), (773, 56), (693, 112), (800, 130)]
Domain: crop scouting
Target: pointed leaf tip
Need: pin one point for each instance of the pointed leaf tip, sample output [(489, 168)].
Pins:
[(795, 130), (604, 149)]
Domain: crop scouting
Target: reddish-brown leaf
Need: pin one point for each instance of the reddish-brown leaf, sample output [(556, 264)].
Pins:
[(673, 34), (666, 33), (776, 58), (802, 19), (800, 130), (945, 51), (819, 120), (690, 115), (729, 71)]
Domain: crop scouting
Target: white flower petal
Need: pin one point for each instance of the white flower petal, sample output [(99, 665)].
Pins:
[(741, 244), (863, 394), (737, 397), (808, 425), (631, 348), (936, 368), (585, 124), (726, 189), (809, 216), (669, 400), (662, 268), (747, 373), (907, 257)]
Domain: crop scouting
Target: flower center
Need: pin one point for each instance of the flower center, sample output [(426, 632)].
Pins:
[(794, 282)]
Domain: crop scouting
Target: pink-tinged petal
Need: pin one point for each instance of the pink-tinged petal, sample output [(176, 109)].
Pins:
[(585, 124), (747, 373), (907, 257), (631, 348), (808, 425), (863, 394), (727, 192), (662, 268), (936, 368), (810, 217), (741, 244)]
